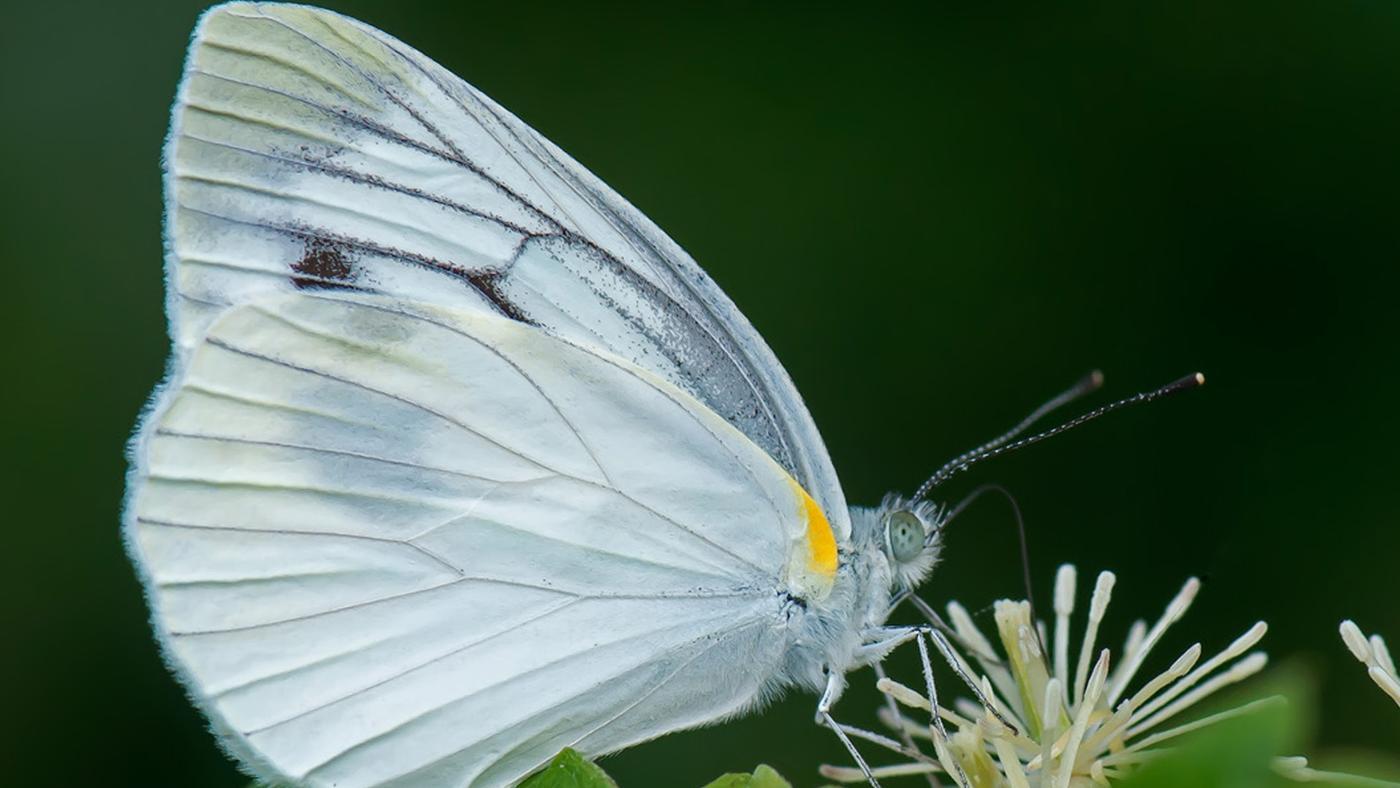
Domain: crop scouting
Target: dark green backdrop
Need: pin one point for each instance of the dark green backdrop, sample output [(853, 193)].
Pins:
[(936, 214)]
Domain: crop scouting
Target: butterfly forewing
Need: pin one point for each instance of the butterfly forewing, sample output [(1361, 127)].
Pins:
[(311, 152)]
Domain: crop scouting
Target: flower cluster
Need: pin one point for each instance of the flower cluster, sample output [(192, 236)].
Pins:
[(1046, 720)]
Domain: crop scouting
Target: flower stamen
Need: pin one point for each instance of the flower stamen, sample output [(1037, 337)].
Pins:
[(1375, 656), (1035, 725), (1098, 605)]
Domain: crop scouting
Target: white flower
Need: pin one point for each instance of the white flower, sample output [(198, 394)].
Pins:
[(1076, 724), (1375, 656)]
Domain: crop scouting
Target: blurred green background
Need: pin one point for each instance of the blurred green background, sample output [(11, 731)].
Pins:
[(937, 215)]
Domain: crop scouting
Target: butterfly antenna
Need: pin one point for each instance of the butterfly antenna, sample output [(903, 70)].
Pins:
[(1001, 446), (1020, 530), (1085, 385)]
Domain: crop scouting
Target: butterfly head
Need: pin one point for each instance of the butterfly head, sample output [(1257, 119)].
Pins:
[(912, 535)]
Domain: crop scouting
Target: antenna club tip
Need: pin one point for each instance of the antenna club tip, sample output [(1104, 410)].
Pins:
[(1095, 378), (1194, 380)]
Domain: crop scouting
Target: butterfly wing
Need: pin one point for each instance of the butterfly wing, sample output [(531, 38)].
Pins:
[(389, 544), (311, 151)]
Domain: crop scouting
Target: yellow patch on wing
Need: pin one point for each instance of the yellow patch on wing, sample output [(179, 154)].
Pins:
[(820, 542)]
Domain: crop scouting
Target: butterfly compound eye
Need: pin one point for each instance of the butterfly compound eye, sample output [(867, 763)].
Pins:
[(906, 535)]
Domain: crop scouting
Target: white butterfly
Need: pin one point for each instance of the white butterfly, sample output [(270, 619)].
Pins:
[(461, 460)]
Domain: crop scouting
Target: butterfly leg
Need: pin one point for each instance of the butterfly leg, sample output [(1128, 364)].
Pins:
[(937, 722), (893, 709), (881, 644), (907, 749), (927, 611), (945, 649), (941, 643), (835, 682)]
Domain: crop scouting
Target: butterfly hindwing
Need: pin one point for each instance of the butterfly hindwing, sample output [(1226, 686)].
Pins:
[(392, 544)]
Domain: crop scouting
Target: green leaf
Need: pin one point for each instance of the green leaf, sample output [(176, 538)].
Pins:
[(763, 777), (1238, 752), (569, 770), (1235, 753)]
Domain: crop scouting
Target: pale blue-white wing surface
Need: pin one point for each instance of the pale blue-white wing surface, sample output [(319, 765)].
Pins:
[(389, 544), (311, 151)]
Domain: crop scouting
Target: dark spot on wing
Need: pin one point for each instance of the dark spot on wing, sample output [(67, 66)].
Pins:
[(487, 281), (324, 265)]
